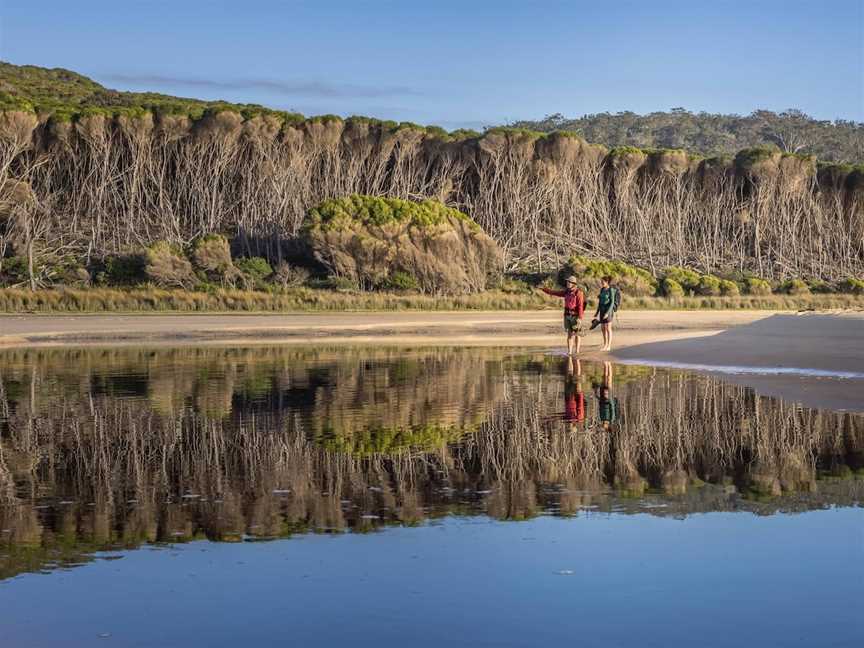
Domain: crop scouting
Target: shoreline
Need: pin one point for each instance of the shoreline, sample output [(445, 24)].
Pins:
[(457, 327), (816, 359)]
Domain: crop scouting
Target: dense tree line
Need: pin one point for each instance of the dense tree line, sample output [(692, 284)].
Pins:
[(87, 175), (714, 134)]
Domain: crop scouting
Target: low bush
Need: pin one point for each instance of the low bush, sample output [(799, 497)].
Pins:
[(820, 287), (756, 286), (13, 271), (671, 288), (684, 277), (709, 286), (255, 267), (167, 266), (122, 270), (852, 286), (633, 281), (368, 238), (400, 280), (342, 284), (729, 288), (794, 287)]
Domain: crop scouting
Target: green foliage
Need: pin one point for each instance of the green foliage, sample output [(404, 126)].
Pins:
[(756, 286), (709, 285), (820, 287), (710, 134), (671, 288), (122, 269), (852, 286), (794, 287), (729, 288), (688, 279), (342, 213), (747, 158), (167, 266), (620, 151), (400, 280), (212, 253), (255, 267), (343, 284), (372, 441), (14, 270), (632, 280)]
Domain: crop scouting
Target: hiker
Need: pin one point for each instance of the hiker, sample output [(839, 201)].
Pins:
[(607, 304), (574, 309)]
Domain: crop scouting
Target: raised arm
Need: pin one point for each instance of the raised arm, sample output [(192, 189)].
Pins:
[(554, 293)]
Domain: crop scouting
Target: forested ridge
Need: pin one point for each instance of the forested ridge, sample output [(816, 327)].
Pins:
[(88, 175), (792, 131)]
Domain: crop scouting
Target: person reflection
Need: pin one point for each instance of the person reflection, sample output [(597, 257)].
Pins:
[(574, 397), (607, 405)]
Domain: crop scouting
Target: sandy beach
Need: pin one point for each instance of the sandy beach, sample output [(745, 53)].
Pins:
[(816, 359)]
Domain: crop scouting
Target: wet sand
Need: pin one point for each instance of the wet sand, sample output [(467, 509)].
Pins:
[(821, 354), (815, 359), (491, 327)]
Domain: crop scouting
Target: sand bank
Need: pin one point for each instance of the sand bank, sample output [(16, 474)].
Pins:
[(815, 359)]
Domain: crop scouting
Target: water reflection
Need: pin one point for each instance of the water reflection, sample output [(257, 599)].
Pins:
[(114, 448)]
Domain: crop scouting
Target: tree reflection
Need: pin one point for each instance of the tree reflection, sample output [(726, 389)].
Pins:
[(114, 448)]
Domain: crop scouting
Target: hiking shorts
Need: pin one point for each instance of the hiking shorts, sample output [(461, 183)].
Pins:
[(572, 324)]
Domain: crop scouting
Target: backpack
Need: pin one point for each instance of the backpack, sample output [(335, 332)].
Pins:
[(616, 298)]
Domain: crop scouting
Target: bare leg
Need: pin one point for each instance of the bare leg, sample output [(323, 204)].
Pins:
[(604, 328), (570, 336), (609, 336), (578, 343)]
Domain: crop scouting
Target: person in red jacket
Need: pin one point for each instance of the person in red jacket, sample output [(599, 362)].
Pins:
[(574, 309)]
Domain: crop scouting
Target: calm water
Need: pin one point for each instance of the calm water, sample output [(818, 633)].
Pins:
[(477, 497)]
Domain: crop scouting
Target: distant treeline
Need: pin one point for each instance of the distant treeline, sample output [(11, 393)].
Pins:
[(710, 134)]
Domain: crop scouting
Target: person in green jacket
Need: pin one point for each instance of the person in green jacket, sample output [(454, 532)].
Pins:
[(607, 304)]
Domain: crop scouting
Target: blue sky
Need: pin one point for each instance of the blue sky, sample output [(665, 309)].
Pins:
[(460, 63)]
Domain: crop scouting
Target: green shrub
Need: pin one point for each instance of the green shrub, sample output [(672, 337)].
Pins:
[(687, 279), (122, 270), (167, 266), (633, 281), (852, 285), (255, 267), (212, 253), (14, 270), (709, 285), (820, 287), (671, 288), (335, 283), (794, 287), (345, 213), (67, 271), (366, 238), (729, 288), (400, 280), (756, 286)]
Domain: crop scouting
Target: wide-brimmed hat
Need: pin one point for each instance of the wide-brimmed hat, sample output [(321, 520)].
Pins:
[(571, 279)]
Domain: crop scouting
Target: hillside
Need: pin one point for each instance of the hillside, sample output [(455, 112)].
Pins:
[(715, 134), (64, 94), (90, 176)]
